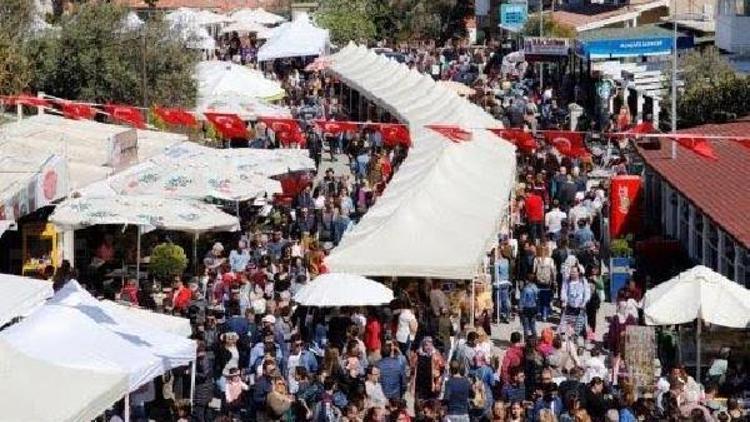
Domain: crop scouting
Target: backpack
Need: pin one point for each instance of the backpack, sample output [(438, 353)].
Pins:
[(528, 298), (543, 271)]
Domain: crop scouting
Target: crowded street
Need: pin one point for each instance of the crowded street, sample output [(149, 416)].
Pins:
[(273, 219)]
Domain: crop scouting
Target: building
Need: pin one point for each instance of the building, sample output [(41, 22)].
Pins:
[(219, 5), (702, 203), (732, 24)]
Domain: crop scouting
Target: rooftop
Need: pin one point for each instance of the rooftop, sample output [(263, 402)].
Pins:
[(222, 5), (719, 188), (592, 16)]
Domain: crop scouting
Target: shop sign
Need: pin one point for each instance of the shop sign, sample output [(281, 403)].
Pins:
[(545, 46)]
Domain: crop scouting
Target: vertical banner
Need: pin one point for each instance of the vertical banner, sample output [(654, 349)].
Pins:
[(624, 212), (123, 149)]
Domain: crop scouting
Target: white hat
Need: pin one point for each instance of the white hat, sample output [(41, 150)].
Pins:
[(269, 319)]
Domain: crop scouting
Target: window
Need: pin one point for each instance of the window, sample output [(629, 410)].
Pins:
[(672, 221), (697, 252), (712, 247), (727, 265), (684, 222), (743, 270)]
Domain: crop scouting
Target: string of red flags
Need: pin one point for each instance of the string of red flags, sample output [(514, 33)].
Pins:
[(521, 139), (699, 145), (570, 144), (176, 116), (286, 130), (454, 133), (230, 126), (393, 134), (78, 111), (335, 127), (126, 114)]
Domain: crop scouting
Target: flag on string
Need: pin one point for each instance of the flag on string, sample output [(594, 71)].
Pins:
[(127, 115), (287, 131), (335, 127), (568, 143), (522, 140), (698, 145), (642, 128), (454, 133), (745, 142), (394, 134), (230, 126), (78, 111), (27, 100), (176, 116)]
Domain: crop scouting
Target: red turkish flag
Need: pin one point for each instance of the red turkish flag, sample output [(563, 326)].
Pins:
[(394, 134), (454, 133), (335, 127), (78, 111), (287, 130), (176, 116), (698, 145), (744, 142), (522, 140), (568, 143), (228, 125), (126, 114)]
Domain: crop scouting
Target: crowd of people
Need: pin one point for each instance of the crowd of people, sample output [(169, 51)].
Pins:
[(261, 357)]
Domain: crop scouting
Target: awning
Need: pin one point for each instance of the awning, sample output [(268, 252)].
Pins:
[(19, 296), (163, 322), (443, 208)]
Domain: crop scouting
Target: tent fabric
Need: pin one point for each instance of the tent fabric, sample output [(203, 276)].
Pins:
[(65, 336), (172, 350), (167, 323), (338, 289), (40, 391), (147, 211), (298, 38), (258, 15), (30, 180), (225, 79), (443, 208), (244, 106), (696, 293), (19, 296), (6, 225)]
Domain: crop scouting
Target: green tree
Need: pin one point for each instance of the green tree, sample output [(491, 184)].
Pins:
[(711, 90), (92, 58), (167, 261), (348, 20), (15, 16), (552, 28)]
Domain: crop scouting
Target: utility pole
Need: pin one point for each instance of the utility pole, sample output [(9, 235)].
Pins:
[(541, 34), (144, 85), (674, 77)]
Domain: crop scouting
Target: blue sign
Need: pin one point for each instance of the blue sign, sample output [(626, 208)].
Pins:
[(513, 16), (634, 47), (619, 275)]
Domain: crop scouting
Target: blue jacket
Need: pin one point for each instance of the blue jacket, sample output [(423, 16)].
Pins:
[(542, 404), (392, 377)]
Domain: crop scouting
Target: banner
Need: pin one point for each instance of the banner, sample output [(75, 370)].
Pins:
[(627, 47), (454, 133), (544, 46), (624, 212)]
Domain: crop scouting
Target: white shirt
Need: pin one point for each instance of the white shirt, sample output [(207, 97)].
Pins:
[(403, 333), (553, 220), (576, 213), (375, 395)]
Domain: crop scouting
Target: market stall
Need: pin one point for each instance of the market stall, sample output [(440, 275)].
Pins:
[(225, 79), (259, 15), (299, 38), (19, 296)]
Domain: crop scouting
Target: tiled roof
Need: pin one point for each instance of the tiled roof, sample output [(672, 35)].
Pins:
[(223, 5), (719, 188)]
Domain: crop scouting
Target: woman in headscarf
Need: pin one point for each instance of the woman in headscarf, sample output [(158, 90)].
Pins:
[(430, 366), (617, 326)]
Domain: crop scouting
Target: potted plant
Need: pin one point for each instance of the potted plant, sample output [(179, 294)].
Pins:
[(168, 260), (620, 263)]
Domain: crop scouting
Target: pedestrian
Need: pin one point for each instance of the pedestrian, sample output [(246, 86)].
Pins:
[(458, 393), (529, 305), (574, 296), (545, 275)]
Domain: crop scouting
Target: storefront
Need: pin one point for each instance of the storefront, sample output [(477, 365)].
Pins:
[(552, 53)]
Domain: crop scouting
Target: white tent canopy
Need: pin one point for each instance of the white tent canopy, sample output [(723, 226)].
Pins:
[(443, 208), (225, 79), (30, 180), (337, 289), (258, 15), (19, 296), (145, 211), (65, 336), (172, 350), (295, 39), (40, 391), (163, 322), (245, 27), (132, 22), (244, 106)]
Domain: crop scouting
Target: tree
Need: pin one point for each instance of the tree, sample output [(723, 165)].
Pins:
[(347, 20), (15, 16), (711, 90), (552, 28), (93, 58)]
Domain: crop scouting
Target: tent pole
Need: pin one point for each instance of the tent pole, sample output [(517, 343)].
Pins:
[(473, 300), (192, 382), (698, 351), (126, 410), (138, 258), (237, 208), (195, 254)]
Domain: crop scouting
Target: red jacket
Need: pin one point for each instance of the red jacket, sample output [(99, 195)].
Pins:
[(373, 330), (181, 298), (534, 206), (513, 359)]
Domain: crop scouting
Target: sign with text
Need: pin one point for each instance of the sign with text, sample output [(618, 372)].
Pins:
[(513, 16), (544, 46)]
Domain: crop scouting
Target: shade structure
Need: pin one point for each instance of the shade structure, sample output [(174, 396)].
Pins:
[(163, 322), (258, 15), (245, 106), (132, 22), (248, 27), (30, 180), (194, 180), (19, 296), (172, 350), (443, 208), (225, 79), (339, 289), (698, 293), (65, 336), (59, 393), (192, 17), (457, 87), (298, 38), (149, 212)]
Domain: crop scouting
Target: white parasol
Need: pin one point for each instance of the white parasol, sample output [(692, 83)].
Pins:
[(340, 289)]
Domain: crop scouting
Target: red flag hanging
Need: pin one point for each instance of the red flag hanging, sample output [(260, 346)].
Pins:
[(454, 133), (568, 143), (287, 130), (228, 125), (335, 127), (698, 145), (394, 134), (78, 111), (642, 128), (126, 114), (176, 116), (522, 140), (27, 100), (744, 142)]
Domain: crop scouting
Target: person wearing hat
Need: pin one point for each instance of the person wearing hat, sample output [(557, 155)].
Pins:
[(234, 390), (228, 356), (214, 259)]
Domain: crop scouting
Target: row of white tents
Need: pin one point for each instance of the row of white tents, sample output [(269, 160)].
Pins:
[(73, 356)]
